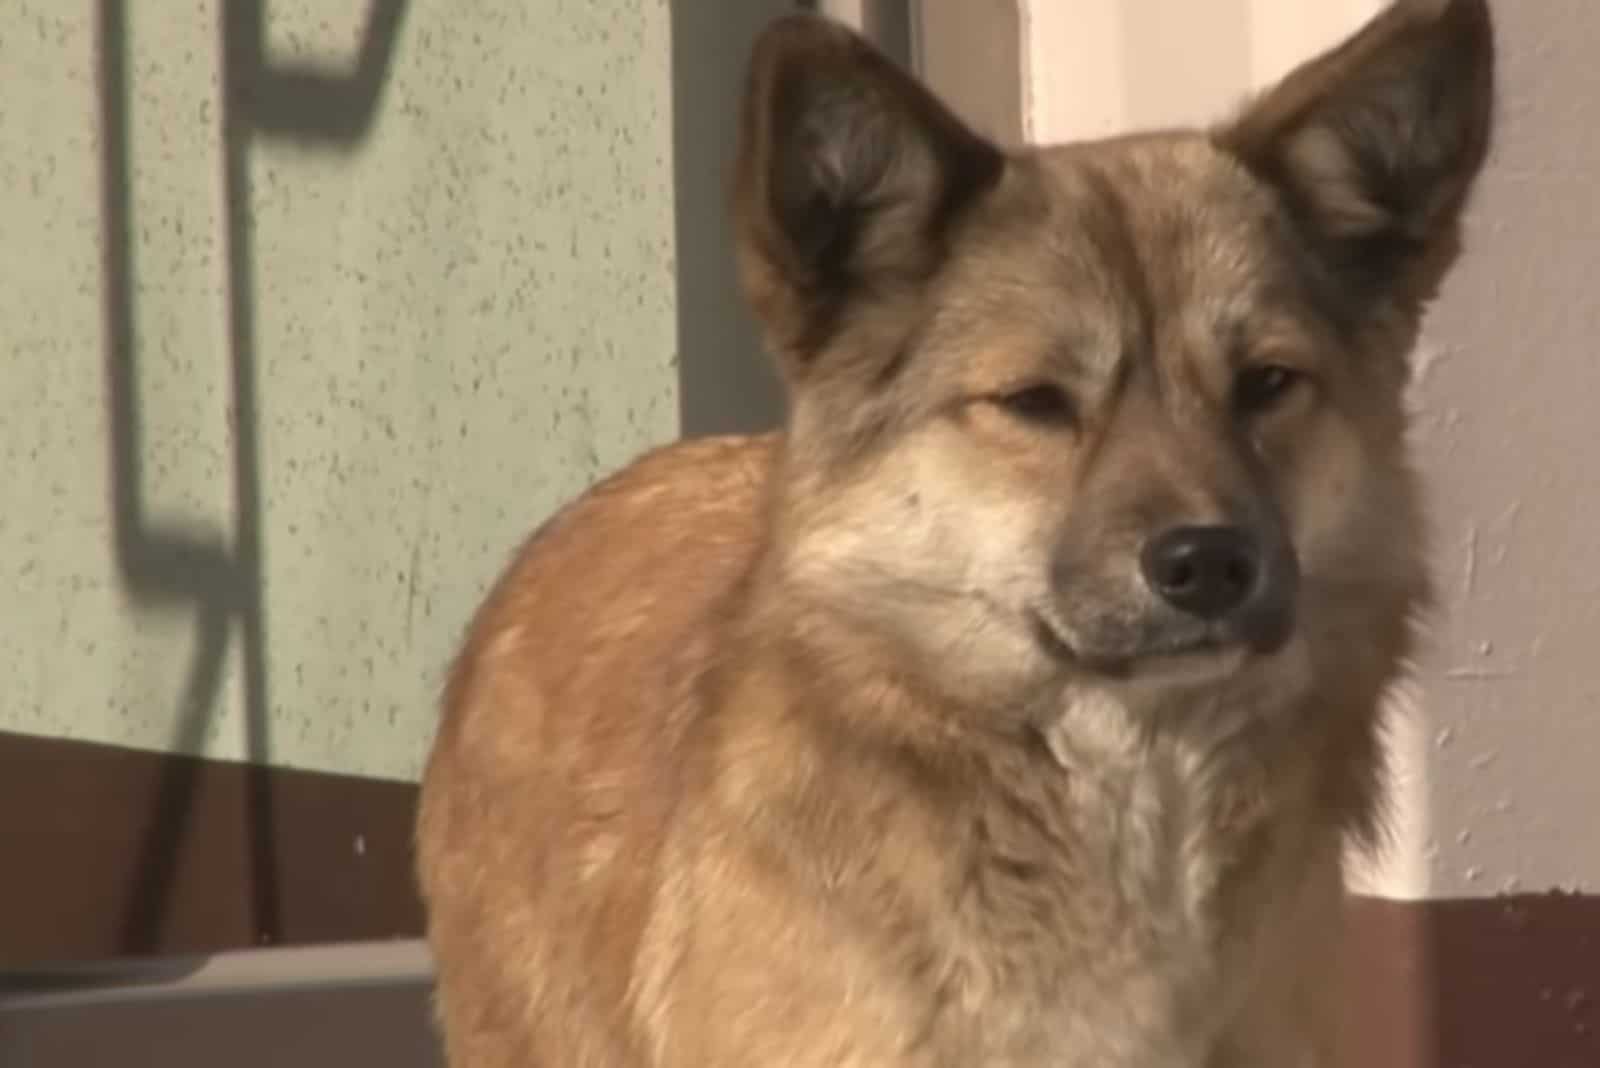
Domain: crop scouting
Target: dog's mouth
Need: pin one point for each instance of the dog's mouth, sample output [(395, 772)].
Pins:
[(1158, 650)]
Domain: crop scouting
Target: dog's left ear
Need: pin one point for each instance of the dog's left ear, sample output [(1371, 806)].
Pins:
[(848, 177), (1375, 145)]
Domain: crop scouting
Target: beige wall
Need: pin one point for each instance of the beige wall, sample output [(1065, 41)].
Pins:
[(1508, 389), (1098, 67), (1498, 748), (460, 318)]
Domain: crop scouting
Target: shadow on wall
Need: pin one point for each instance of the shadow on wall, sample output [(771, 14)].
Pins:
[(726, 383), (170, 565)]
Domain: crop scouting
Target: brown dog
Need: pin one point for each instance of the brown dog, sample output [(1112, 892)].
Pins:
[(1012, 706)]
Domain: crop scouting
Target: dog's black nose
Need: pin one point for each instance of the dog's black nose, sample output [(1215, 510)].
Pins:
[(1204, 571)]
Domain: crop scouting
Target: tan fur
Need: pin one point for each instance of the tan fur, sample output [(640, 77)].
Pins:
[(868, 744)]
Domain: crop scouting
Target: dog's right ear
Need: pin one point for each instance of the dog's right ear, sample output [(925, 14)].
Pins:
[(848, 176)]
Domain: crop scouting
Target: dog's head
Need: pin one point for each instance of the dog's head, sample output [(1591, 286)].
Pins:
[(1106, 407)]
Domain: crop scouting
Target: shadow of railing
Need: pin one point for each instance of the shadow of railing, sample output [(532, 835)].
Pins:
[(170, 565)]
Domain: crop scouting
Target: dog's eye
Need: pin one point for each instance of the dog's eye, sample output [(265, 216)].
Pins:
[(1255, 389), (1043, 403)]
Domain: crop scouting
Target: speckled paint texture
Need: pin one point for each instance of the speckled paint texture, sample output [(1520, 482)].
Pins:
[(460, 321)]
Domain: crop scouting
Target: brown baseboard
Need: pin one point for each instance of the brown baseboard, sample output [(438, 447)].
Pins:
[(1510, 982), (109, 852)]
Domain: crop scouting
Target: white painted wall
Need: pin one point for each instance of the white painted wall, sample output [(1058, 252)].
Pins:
[(1498, 758), (1510, 437), (1098, 67)]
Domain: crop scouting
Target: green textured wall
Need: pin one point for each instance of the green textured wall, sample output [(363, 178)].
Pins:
[(422, 299)]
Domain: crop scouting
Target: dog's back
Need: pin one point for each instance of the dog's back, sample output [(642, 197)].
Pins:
[(1013, 706), (558, 767)]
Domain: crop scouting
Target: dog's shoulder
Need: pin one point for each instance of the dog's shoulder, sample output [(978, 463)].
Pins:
[(620, 576)]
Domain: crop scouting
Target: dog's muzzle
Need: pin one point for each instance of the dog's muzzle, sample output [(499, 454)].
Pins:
[(1225, 578)]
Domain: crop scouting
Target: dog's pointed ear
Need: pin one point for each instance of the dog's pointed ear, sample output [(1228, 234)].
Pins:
[(1375, 145), (848, 176)]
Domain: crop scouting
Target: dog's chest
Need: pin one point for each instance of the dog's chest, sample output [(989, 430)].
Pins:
[(1096, 924)]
